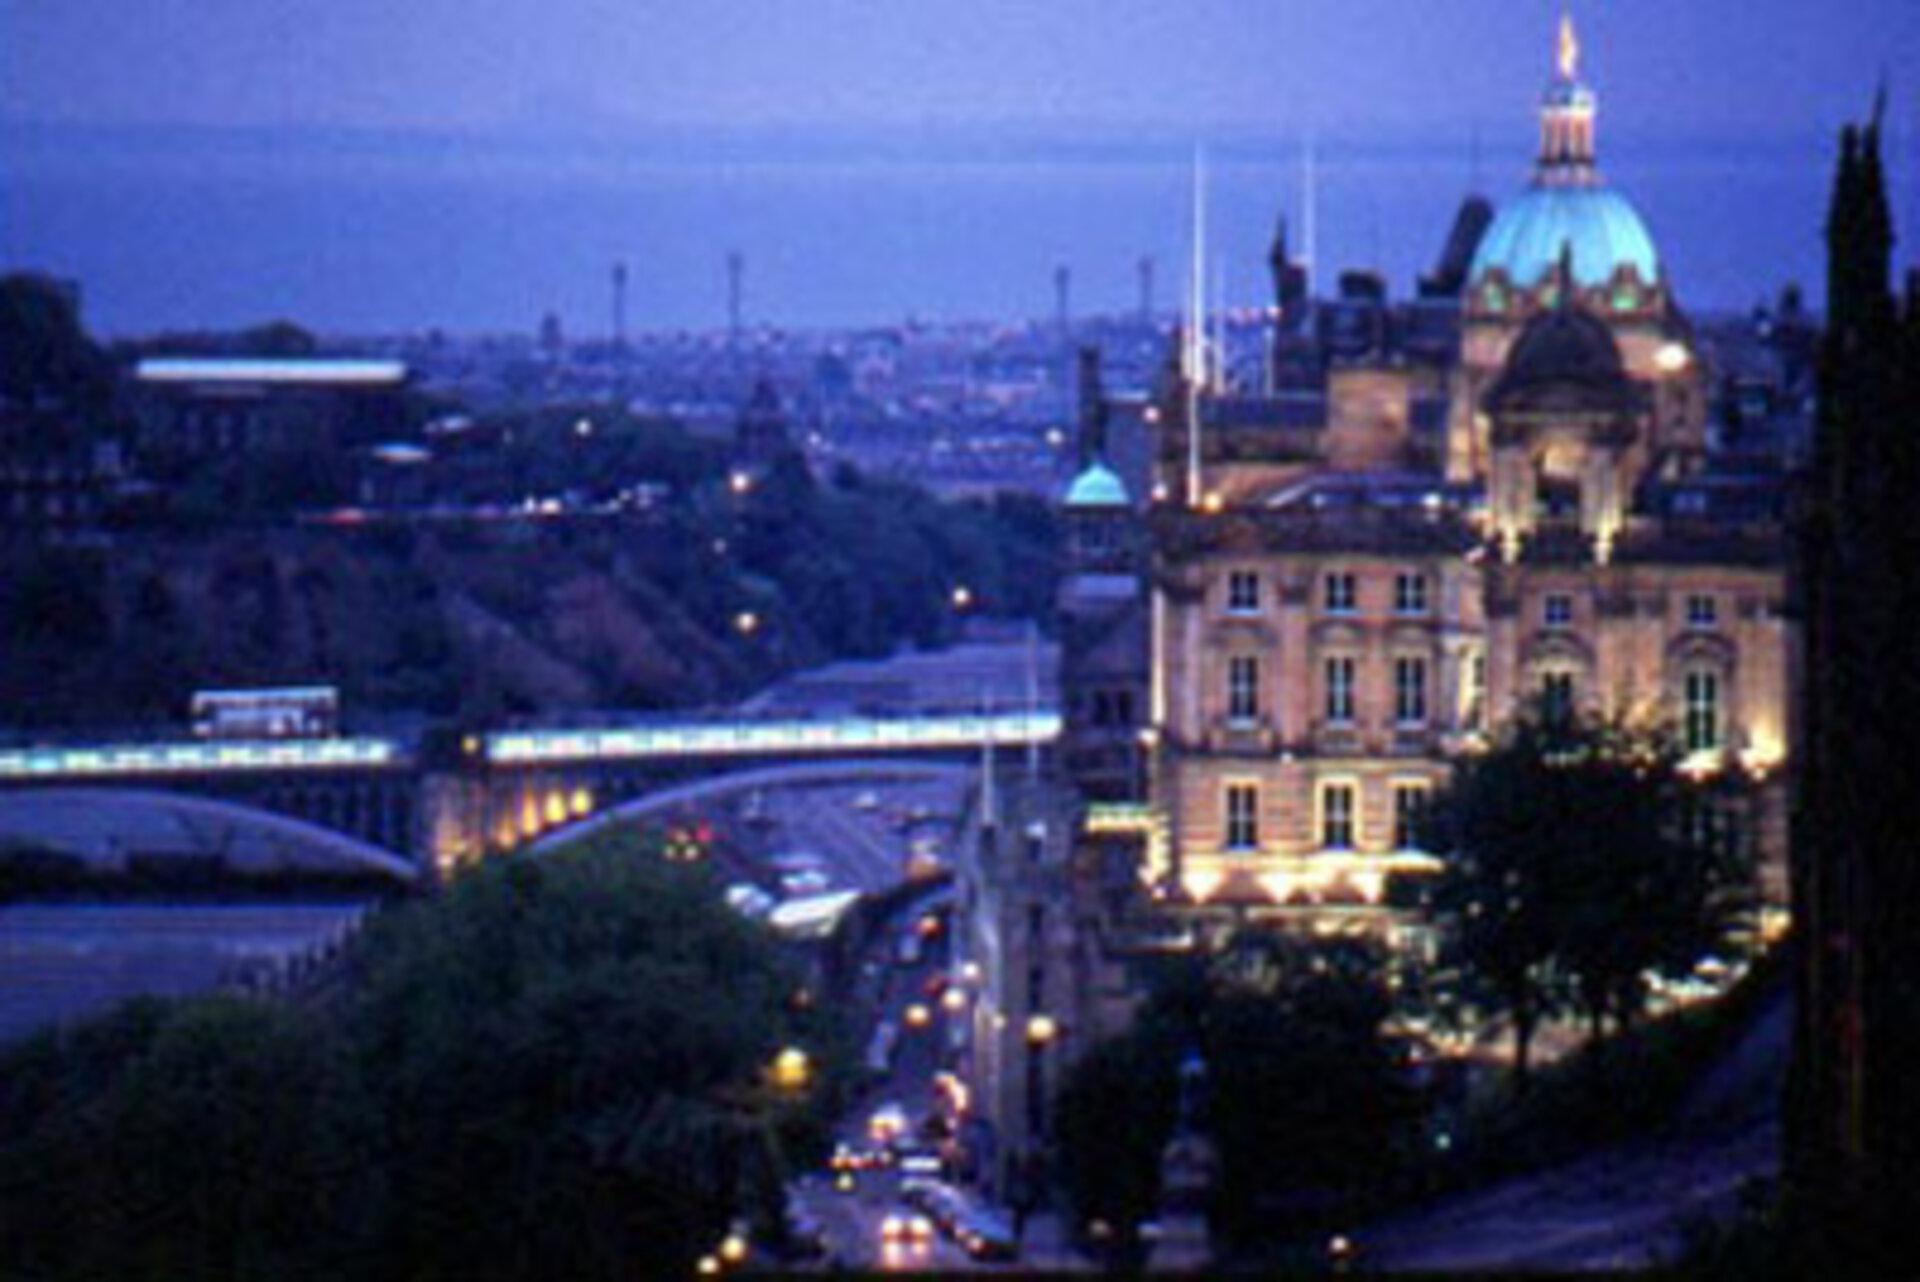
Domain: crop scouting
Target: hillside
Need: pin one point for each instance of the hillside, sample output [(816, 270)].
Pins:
[(485, 619)]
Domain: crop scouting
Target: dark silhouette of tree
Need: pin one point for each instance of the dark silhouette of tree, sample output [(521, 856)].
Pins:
[(1578, 857), (556, 1068), (1307, 1103)]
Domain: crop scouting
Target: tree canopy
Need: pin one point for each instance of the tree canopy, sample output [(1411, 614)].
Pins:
[(1306, 1101), (557, 1068), (1578, 858)]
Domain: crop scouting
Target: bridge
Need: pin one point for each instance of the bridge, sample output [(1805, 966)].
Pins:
[(504, 788)]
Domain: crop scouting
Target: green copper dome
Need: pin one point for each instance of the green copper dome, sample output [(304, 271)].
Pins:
[(1098, 486), (1601, 225)]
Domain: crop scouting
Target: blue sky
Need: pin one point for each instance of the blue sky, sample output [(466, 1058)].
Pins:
[(1698, 66)]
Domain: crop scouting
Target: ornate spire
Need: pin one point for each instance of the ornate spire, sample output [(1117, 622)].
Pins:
[(1567, 54), (1566, 116)]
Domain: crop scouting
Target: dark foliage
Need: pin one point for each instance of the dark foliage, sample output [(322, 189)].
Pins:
[(1578, 857), (553, 1070), (1309, 1107)]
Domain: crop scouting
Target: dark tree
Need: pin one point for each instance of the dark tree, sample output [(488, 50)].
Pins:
[(556, 1068), (1577, 858)]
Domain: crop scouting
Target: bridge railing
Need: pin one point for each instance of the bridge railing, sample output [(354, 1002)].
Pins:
[(775, 737), (118, 760)]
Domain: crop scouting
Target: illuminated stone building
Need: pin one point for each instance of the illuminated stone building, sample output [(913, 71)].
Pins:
[(1337, 606)]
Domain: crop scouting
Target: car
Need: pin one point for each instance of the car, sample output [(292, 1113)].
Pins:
[(906, 1228), (908, 951), (805, 884), (983, 1235), (920, 1162), (941, 1202), (888, 1123)]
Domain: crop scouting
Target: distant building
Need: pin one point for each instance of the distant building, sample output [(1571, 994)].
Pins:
[(760, 435), (188, 409)]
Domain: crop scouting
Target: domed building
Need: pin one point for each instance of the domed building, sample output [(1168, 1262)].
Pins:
[(1614, 273), (1332, 609)]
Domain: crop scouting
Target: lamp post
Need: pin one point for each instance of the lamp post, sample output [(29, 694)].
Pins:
[(1042, 1029)]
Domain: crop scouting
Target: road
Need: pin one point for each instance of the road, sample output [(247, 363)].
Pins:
[(851, 1220)]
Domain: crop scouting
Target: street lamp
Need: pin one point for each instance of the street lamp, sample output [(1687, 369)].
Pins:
[(740, 481), (792, 1069), (962, 597), (1041, 1031), (746, 623)]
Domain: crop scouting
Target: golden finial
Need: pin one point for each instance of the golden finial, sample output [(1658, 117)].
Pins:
[(1569, 56)]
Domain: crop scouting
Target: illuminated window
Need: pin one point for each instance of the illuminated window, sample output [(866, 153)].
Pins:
[(1409, 808), (1410, 691), (1700, 720), (1702, 611), (1243, 687), (1243, 816), (1341, 594), (1243, 592), (1410, 594), (1557, 610), (1339, 671), (1336, 816)]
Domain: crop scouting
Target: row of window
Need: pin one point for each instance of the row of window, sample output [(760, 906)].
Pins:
[(1700, 721), (1702, 610), (1339, 815), (1409, 688), (1701, 727), (1339, 593)]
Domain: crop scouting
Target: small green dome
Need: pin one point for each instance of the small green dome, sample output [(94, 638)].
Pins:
[(1098, 486)]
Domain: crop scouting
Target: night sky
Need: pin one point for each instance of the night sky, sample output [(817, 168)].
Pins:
[(1733, 65), (263, 210)]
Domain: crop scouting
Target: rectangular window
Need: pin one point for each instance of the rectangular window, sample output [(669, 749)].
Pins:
[(1702, 611), (1243, 816), (1556, 696), (1557, 610), (1409, 807), (1701, 718), (1341, 594), (1340, 688), (1336, 816), (1243, 592), (1410, 691), (1243, 687), (1410, 594)]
